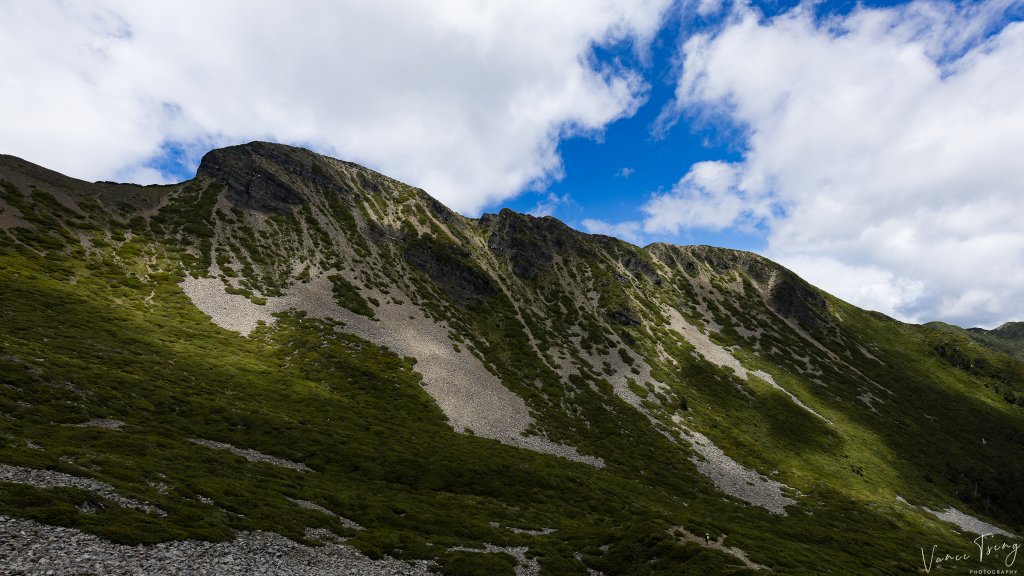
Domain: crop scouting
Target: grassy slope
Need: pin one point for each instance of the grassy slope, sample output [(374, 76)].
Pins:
[(1008, 338), (81, 340)]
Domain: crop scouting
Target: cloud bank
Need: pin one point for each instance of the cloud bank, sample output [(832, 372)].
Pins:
[(883, 153), (465, 99)]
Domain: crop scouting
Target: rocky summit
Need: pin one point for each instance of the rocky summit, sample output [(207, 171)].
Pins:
[(292, 364)]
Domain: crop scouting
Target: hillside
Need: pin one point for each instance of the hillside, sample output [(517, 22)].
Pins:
[(1008, 338), (294, 349)]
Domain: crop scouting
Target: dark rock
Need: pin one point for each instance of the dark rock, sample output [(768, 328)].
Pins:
[(797, 300), (784, 292), (439, 210), (641, 269), (623, 316), (524, 241), (258, 174), (722, 260), (450, 267)]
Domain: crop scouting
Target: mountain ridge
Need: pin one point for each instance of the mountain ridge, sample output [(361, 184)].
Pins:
[(561, 380)]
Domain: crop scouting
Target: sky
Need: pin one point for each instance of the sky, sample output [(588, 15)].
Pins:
[(875, 148)]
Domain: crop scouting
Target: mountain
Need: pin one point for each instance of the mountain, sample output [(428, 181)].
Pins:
[(1008, 338), (289, 350)]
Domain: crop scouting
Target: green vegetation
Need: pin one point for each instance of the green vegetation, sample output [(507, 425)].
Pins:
[(463, 563), (347, 296), (94, 325)]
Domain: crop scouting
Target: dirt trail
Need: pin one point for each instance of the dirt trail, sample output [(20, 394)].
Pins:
[(718, 544)]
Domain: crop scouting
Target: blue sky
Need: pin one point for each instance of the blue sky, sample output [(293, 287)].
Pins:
[(609, 175), (874, 148)]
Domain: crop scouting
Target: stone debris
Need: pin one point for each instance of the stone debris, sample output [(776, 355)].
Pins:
[(621, 373), (525, 566), (100, 423), (967, 522), (869, 399), (732, 477), (711, 352), (962, 520), (314, 506), (719, 356), (11, 217), (527, 531), (469, 395), (53, 479), (768, 378), (28, 548), (229, 311), (590, 571), (252, 455)]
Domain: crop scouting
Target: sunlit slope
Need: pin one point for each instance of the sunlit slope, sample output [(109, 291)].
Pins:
[(432, 380)]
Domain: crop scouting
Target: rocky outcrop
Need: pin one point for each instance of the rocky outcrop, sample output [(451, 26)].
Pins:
[(450, 267), (527, 243), (54, 479), (28, 549), (251, 181), (783, 291), (792, 298)]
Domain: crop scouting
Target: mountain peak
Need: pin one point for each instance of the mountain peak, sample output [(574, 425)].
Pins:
[(258, 174), (1014, 330)]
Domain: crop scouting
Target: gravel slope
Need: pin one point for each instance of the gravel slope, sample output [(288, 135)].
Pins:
[(29, 548), (469, 395)]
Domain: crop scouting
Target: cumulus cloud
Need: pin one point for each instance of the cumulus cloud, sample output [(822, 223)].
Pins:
[(465, 99), (870, 286), (630, 231), (883, 152), (706, 197), (547, 205), (708, 7)]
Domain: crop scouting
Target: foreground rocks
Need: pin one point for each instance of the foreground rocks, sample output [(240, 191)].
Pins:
[(54, 479), (30, 548)]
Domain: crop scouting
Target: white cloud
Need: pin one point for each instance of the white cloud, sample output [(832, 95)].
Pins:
[(465, 99), (869, 286), (883, 152), (624, 172), (549, 204), (709, 7), (706, 197), (630, 231)]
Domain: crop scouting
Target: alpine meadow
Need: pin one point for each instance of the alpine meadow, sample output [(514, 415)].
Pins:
[(292, 364)]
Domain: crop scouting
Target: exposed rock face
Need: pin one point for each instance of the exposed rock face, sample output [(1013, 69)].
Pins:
[(450, 267), (641, 269), (251, 173), (793, 298), (785, 292), (524, 241), (623, 316)]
